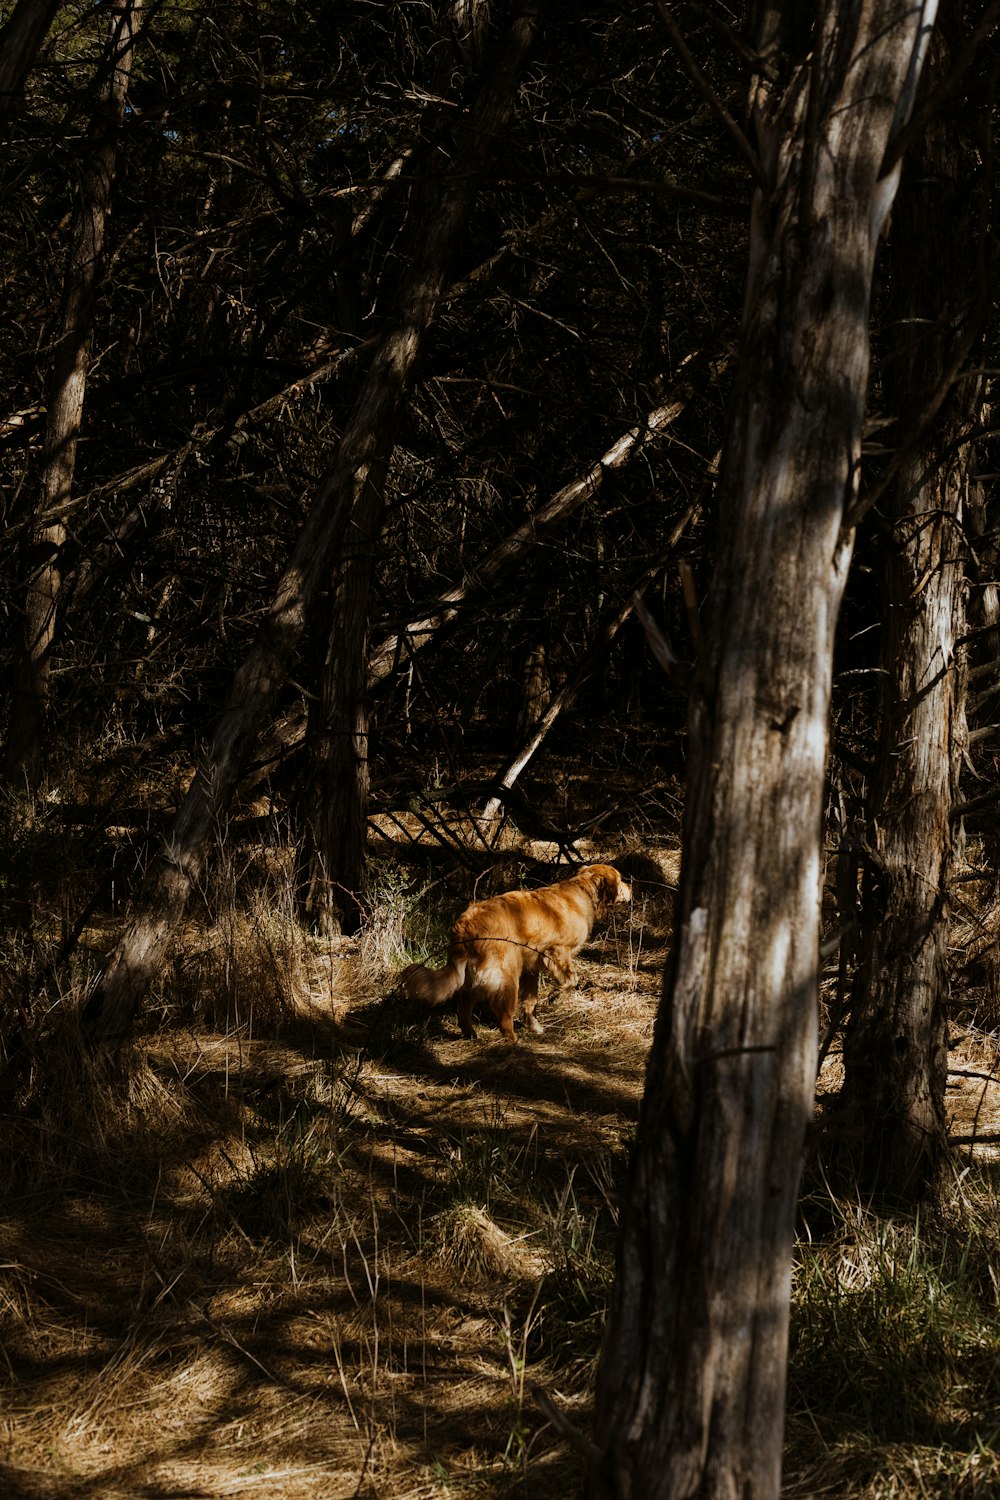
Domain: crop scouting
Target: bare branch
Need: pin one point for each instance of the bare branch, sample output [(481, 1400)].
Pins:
[(711, 98)]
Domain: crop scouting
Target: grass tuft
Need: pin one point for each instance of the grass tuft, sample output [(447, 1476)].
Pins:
[(283, 1183), (894, 1354), (465, 1240)]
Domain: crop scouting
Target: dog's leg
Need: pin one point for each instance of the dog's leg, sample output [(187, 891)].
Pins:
[(529, 999), (503, 1004), (559, 964), (466, 1004)]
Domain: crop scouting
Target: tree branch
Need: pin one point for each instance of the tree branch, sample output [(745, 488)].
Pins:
[(712, 99)]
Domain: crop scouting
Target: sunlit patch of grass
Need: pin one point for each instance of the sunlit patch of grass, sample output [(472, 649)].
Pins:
[(465, 1240), (245, 965)]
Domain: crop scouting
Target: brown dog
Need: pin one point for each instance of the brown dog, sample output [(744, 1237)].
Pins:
[(498, 948)]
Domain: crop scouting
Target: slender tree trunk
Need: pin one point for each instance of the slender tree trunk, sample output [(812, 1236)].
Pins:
[(536, 690), (67, 388), (895, 1051), (336, 794), (20, 42), (140, 955), (691, 1385), (332, 844)]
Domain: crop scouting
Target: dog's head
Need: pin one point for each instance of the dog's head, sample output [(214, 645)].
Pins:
[(606, 885)]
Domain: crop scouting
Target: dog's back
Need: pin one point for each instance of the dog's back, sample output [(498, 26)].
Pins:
[(497, 947), (527, 923)]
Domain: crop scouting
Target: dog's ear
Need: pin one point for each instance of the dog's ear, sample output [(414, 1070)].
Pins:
[(613, 888), (606, 887)]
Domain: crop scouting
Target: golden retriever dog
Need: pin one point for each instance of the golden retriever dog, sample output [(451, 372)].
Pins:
[(499, 948)]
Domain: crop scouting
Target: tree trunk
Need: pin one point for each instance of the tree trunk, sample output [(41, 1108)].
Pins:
[(895, 1052), (24, 763), (20, 42), (336, 794), (332, 842), (691, 1386), (140, 955)]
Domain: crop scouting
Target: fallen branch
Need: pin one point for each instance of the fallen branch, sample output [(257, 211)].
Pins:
[(563, 504)]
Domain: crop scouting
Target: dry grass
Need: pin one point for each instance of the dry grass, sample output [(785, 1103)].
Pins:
[(297, 1245), (293, 1246), (895, 1354)]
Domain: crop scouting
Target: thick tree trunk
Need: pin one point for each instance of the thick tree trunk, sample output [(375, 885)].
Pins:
[(895, 1051), (24, 761), (691, 1386), (345, 491), (336, 794)]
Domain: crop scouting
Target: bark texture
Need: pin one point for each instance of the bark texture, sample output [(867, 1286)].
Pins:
[(691, 1386), (67, 389), (895, 1051)]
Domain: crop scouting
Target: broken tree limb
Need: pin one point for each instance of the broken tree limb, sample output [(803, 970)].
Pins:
[(557, 509), (572, 685)]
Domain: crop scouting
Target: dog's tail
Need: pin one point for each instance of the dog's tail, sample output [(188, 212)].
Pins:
[(434, 986)]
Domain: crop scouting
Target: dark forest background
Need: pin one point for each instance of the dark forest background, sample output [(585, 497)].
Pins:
[(365, 372)]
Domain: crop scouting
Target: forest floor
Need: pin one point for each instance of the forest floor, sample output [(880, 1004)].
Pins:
[(303, 1246)]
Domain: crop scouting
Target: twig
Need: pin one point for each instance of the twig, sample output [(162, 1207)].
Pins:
[(691, 606), (666, 656), (565, 1428), (711, 98)]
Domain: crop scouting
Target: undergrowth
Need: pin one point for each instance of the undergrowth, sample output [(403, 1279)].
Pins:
[(289, 1245), (894, 1375)]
